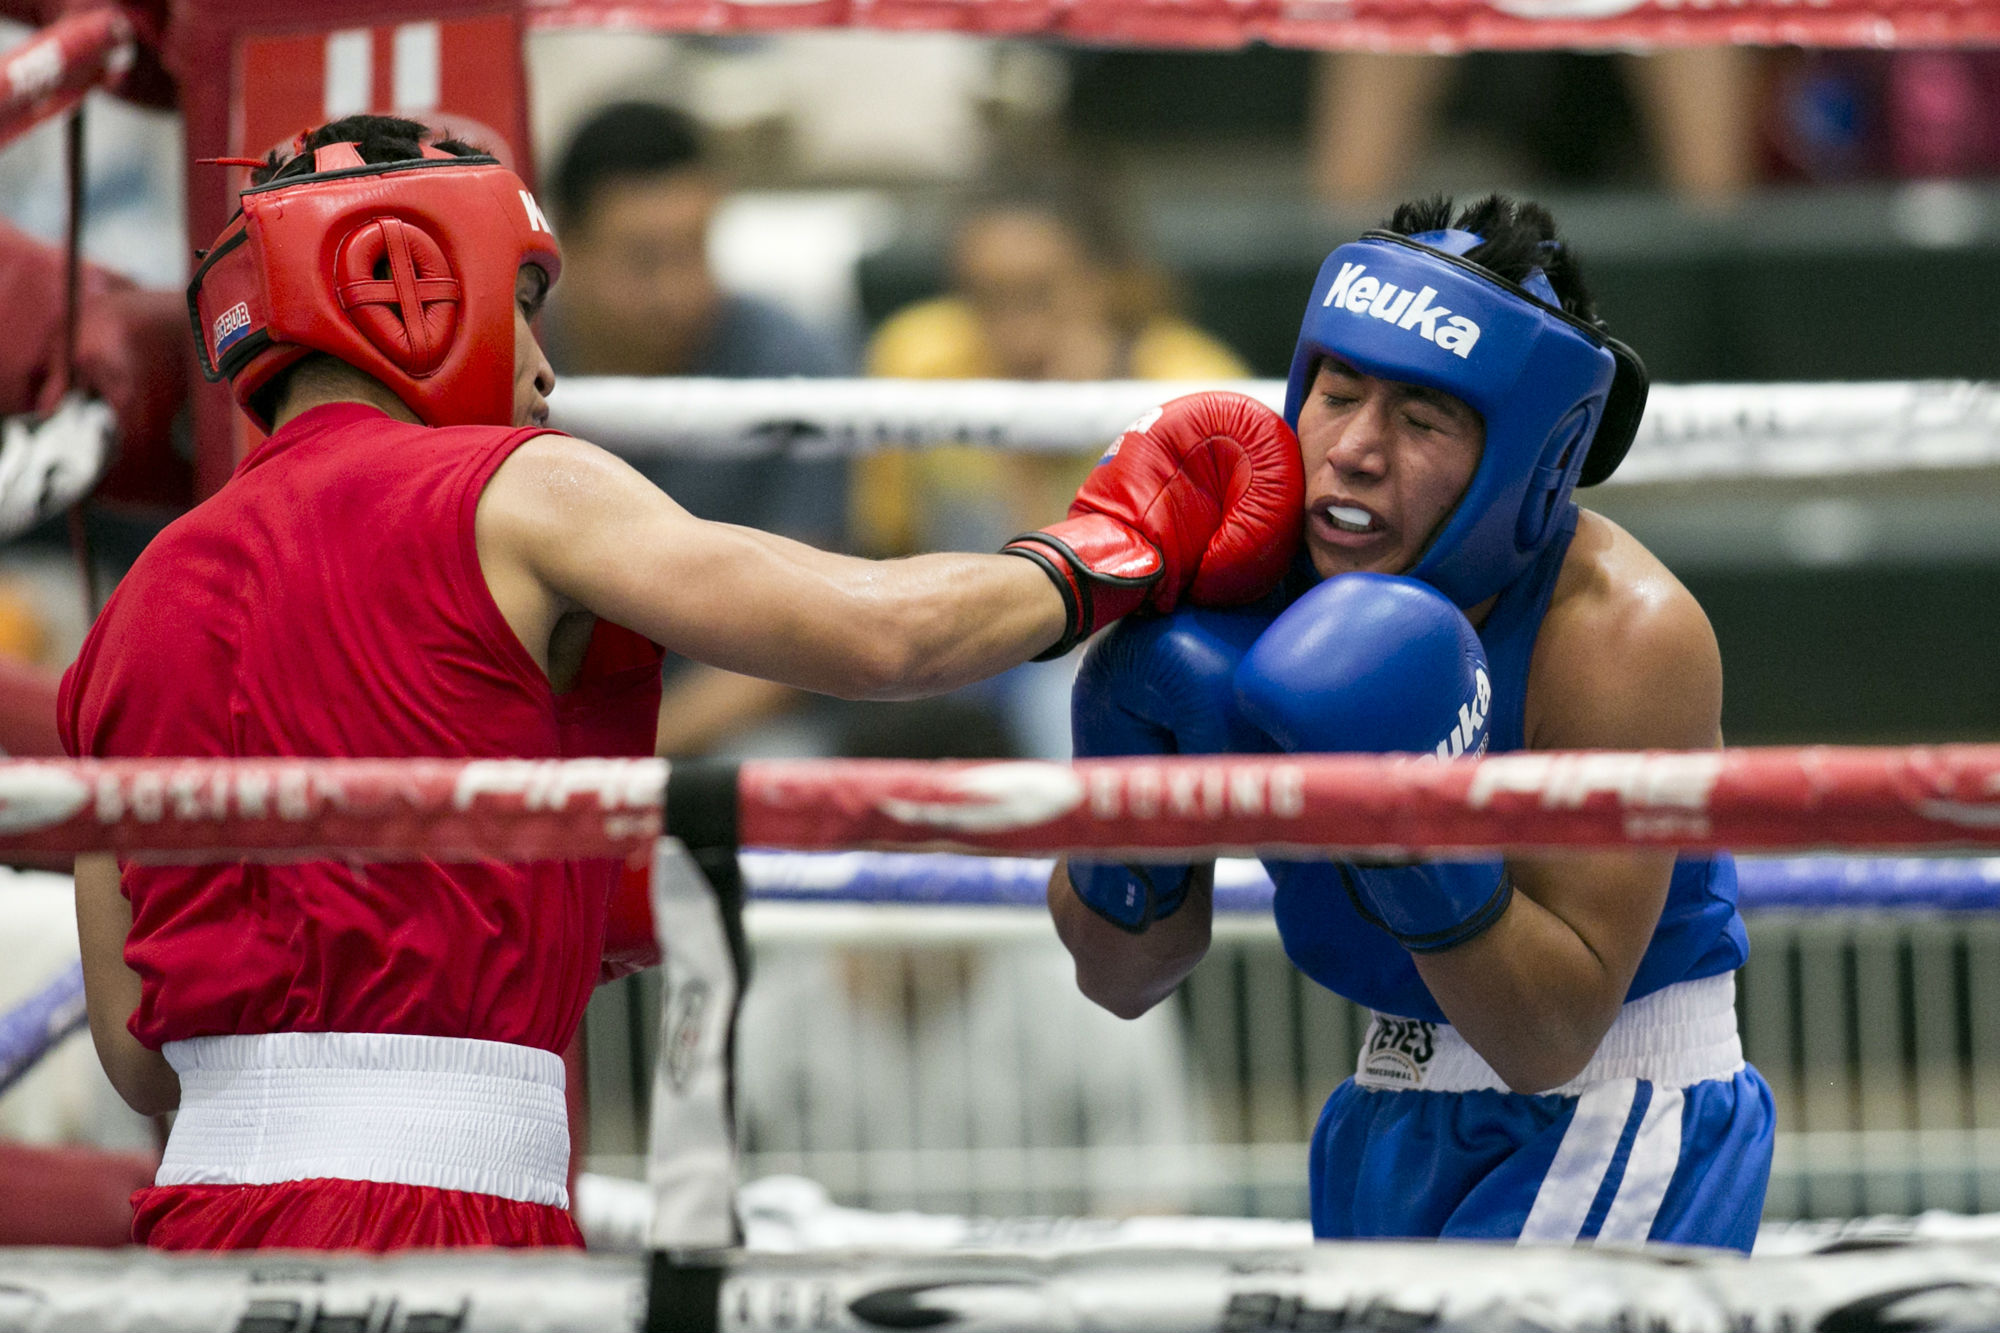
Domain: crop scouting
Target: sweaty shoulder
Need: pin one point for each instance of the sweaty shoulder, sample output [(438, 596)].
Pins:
[(536, 501), (545, 482), (1625, 658)]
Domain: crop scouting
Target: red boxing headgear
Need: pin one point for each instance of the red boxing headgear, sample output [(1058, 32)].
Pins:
[(404, 270)]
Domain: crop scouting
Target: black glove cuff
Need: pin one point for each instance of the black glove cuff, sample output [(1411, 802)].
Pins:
[(1437, 941), (1067, 573), (1472, 927)]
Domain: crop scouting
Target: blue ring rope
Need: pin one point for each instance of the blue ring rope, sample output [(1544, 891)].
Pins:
[(31, 1028), (1785, 883), (1791, 883)]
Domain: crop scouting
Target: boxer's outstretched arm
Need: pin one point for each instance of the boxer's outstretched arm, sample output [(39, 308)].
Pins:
[(1129, 973), (564, 526), (111, 990)]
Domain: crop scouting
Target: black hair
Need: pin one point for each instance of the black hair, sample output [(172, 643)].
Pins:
[(1520, 238), (377, 138), (623, 139)]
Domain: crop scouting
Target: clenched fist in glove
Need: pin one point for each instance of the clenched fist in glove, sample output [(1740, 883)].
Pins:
[(1200, 499)]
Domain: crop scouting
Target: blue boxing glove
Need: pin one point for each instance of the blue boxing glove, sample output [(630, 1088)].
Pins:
[(1158, 686), (1379, 663)]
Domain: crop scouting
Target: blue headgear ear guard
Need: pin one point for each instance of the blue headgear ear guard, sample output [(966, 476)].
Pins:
[(1561, 399)]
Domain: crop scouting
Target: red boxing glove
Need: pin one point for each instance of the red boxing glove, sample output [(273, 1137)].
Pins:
[(1201, 498)]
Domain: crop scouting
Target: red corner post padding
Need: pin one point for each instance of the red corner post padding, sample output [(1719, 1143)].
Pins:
[(255, 74), (69, 1195)]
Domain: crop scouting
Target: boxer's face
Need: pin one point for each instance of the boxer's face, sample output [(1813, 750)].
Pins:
[(1385, 464), (533, 379)]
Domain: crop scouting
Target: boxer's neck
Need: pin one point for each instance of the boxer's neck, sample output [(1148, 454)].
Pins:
[(323, 380)]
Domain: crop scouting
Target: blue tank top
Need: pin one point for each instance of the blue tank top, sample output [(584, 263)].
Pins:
[(1700, 932)]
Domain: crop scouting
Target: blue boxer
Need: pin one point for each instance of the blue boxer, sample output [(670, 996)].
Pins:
[(1452, 386)]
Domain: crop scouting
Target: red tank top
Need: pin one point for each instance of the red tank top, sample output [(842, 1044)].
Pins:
[(328, 601)]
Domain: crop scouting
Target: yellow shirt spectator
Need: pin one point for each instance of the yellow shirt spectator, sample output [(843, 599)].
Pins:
[(1030, 302)]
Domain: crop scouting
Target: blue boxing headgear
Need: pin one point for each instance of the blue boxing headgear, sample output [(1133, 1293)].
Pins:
[(1561, 399)]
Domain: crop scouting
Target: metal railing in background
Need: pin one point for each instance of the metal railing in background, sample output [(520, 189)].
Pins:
[(1878, 1030)]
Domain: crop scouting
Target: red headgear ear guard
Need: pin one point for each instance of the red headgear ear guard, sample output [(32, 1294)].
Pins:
[(404, 270)]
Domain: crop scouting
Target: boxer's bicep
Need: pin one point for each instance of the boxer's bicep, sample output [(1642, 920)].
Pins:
[(1635, 669), (597, 534), (111, 989), (1644, 675)]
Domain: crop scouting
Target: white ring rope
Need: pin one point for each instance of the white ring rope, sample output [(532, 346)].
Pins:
[(1692, 432), (1447, 1287)]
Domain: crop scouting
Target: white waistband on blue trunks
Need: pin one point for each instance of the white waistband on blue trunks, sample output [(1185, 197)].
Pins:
[(1676, 1037), (443, 1112)]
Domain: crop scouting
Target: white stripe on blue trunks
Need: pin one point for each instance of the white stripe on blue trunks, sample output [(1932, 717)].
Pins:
[(1648, 1171), (1588, 1145)]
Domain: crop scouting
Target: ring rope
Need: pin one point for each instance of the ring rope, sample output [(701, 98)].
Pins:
[(309, 809), (944, 879), (51, 71), (1764, 884), (1175, 808), (1416, 27), (1691, 432), (33, 1027), (1449, 1287)]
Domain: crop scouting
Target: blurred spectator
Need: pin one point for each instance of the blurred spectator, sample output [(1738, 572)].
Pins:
[(24, 629), (849, 1058), (1045, 285), (1374, 115), (635, 196)]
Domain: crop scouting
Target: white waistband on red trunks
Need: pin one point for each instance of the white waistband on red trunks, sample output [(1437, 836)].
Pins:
[(1678, 1036), (443, 1112)]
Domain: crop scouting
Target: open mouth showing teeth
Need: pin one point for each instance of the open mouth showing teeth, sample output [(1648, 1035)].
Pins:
[(1349, 519)]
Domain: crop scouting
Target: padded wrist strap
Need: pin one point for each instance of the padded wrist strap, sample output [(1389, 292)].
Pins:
[(1102, 569), (1075, 592)]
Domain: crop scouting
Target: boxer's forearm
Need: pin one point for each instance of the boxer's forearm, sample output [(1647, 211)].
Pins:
[(1124, 973), (950, 620), (1535, 994), (564, 526), (904, 629), (111, 990), (703, 707)]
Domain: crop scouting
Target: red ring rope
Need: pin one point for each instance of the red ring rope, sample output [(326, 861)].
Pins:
[(299, 809), (1763, 799), (1939, 797)]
